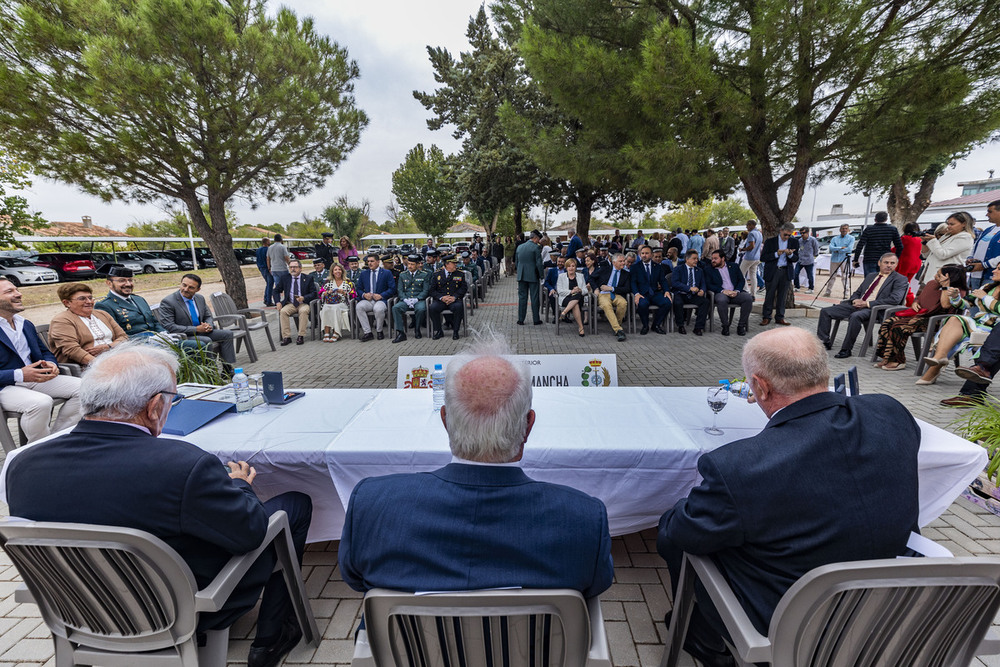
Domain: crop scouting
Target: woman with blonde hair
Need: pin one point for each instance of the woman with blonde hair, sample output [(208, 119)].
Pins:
[(952, 247), (572, 288), (335, 296)]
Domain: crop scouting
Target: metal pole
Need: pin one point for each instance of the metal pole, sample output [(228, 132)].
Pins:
[(194, 256), (868, 207)]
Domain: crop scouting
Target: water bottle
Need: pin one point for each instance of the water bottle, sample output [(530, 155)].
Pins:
[(737, 388), (437, 386), (241, 387)]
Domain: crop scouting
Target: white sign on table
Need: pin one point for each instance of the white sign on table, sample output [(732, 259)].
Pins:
[(547, 370)]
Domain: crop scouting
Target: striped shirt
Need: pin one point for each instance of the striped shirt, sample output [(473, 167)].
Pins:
[(877, 240)]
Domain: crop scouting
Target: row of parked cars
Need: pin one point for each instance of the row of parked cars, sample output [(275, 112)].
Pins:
[(409, 248)]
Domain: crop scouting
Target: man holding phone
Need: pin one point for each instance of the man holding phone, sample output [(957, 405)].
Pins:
[(29, 376)]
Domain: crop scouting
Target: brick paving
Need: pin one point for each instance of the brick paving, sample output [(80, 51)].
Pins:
[(634, 606)]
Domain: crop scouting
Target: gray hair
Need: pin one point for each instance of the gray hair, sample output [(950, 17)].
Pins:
[(616, 256), (787, 227), (119, 383), (489, 422), (888, 254), (792, 360)]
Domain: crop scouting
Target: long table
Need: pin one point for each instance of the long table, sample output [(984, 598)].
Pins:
[(635, 448)]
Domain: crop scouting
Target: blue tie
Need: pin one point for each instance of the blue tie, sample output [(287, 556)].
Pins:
[(614, 279), (194, 312)]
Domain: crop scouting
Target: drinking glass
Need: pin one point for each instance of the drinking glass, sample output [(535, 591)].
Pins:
[(262, 407), (717, 398)]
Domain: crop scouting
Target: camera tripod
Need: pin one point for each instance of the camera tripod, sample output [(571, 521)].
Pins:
[(845, 271)]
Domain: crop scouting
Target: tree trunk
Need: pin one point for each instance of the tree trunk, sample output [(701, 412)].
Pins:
[(220, 242), (518, 221), (585, 199), (901, 209)]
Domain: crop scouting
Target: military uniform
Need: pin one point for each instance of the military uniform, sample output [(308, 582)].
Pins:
[(136, 317), (354, 275), (320, 277), (411, 286), (453, 285)]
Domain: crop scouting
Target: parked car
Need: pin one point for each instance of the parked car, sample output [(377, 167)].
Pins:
[(407, 249), (246, 255), (444, 248), (22, 272), (375, 248), (392, 248), (150, 263), (302, 252), (69, 266), (183, 258), (102, 259)]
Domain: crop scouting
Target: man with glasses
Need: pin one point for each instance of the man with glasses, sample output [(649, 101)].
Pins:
[(299, 291), (185, 312), (133, 314), (29, 376), (779, 254), (112, 469)]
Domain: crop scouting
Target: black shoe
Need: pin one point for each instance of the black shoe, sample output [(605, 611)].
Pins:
[(380, 335), (286, 341), (659, 329), (702, 648), (725, 331), (741, 331), (367, 337), (269, 656), (843, 354), (418, 335), (300, 340), (454, 335), (521, 322), (268, 305), (682, 330), (620, 335), (537, 323), (828, 344), (437, 335), (644, 330), (400, 337), (698, 332)]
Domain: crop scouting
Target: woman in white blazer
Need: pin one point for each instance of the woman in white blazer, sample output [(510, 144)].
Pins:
[(571, 288), (953, 247)]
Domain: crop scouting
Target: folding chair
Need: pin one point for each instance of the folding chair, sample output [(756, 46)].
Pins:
[(223, 304), (516, 628), (933, 325), (119, 597), (66, 368), (907, 611)]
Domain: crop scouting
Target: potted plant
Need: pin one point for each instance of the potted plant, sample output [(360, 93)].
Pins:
[(981, 424)]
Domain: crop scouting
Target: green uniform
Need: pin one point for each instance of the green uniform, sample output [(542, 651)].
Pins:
[(411, 286)]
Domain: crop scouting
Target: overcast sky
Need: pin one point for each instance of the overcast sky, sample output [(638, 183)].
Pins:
[(388, 39)]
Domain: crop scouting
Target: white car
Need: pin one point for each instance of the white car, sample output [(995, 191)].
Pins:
[(150, 264), (22, 272)]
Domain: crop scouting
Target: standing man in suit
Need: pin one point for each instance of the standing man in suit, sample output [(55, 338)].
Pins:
[(885, 288), (613, 286), (688, 285), (413, 287), (29, 375), (447, 292), (650, 287), (479, 522), (375, 287), (133, 314), (573, 244), (112, 469), (299, 291), (528, 259), (261, 258), (726, 281), (779, 254), (185, 312), (821, 445)]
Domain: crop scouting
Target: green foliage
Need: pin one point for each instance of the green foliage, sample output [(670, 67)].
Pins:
[(981, 424), (345, 218), (198, 365), (422, 188), (708, 213), (15, 218)]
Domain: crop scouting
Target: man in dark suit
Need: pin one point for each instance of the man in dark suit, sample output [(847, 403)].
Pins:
[(613, 286), (885, 288), (185, 312), (779, 254), (573, 244), (29, 375), (447, 292), (326, 250), (528, 258), (112, 469), (551, 277), (300, 292), (650, 287), (687, 282), (809, 490), (375, 287), (726, 281), (479, 522)]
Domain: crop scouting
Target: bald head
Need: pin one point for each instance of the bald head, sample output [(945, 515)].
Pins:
[(790, 361)]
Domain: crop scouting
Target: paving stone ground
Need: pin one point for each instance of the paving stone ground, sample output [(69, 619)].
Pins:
[(635, 604)]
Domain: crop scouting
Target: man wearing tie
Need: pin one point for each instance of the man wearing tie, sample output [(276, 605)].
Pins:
[(375, 287), (298, 292), (185, 312), (613, 285), (885, 288), (651, 288), (688, 285)]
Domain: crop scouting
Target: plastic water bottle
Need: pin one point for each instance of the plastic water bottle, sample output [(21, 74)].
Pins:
[(241, 387), (437, 386), (738, 388)]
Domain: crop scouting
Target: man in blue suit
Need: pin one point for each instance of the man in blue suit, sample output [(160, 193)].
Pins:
[(375, 287), (749, 513), (297, 291), (726, 281), (688, 285), (29, 376), (574, 244), (650, 287), (479, 522), (551, 277)]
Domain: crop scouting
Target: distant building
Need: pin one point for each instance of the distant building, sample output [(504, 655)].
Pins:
[(78, 229), (976, 187)]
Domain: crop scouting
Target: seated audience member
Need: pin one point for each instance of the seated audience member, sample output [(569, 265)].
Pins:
[(477, 259), (389, 264), (672, 258), (588, 266), (447, 292), (956, 332), (979, 375), (80, 333), (829, 447), (468, 265), (433, 263), (726, 281), (122, 474), (133, 314), (353, 269), (375, 287), (295, 301), (335, 297), (185, 312), (934, 298), (630, 259), (613, 285), (551, 277), (885, 288), (321, 272), (571, 288), (29, 376), (412, 288), (479, 522), (688, 285), (650, 287)]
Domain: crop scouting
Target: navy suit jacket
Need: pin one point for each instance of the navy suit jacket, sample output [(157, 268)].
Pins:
[(603, 277), (574, 244), (306, 284), (810, 489), (648, 285), (385, 284), (11, 361), (551, 276), (679, 279), (768, 255), (468, 527), (714, 279)]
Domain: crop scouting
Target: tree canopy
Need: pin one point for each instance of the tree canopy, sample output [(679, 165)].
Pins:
[(15, 218), (422, 189), (199, 101)]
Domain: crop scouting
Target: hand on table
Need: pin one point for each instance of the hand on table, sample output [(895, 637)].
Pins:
[(241, 470)]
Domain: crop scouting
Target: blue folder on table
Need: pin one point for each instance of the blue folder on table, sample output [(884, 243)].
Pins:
[(190, 415)]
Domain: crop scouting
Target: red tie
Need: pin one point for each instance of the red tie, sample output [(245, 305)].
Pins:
[(872, 287)]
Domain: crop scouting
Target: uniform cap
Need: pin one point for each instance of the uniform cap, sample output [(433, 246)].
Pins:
[(352, 258), (413, 258), (119, 271)]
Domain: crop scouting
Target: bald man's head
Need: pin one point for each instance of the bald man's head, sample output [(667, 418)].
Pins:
[(792, 360)]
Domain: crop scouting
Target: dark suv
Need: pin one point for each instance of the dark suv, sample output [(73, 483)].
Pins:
[(183, 258), (69, 265)]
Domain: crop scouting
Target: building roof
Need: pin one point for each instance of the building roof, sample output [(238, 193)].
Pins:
[(77, 229), (968, 200)]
